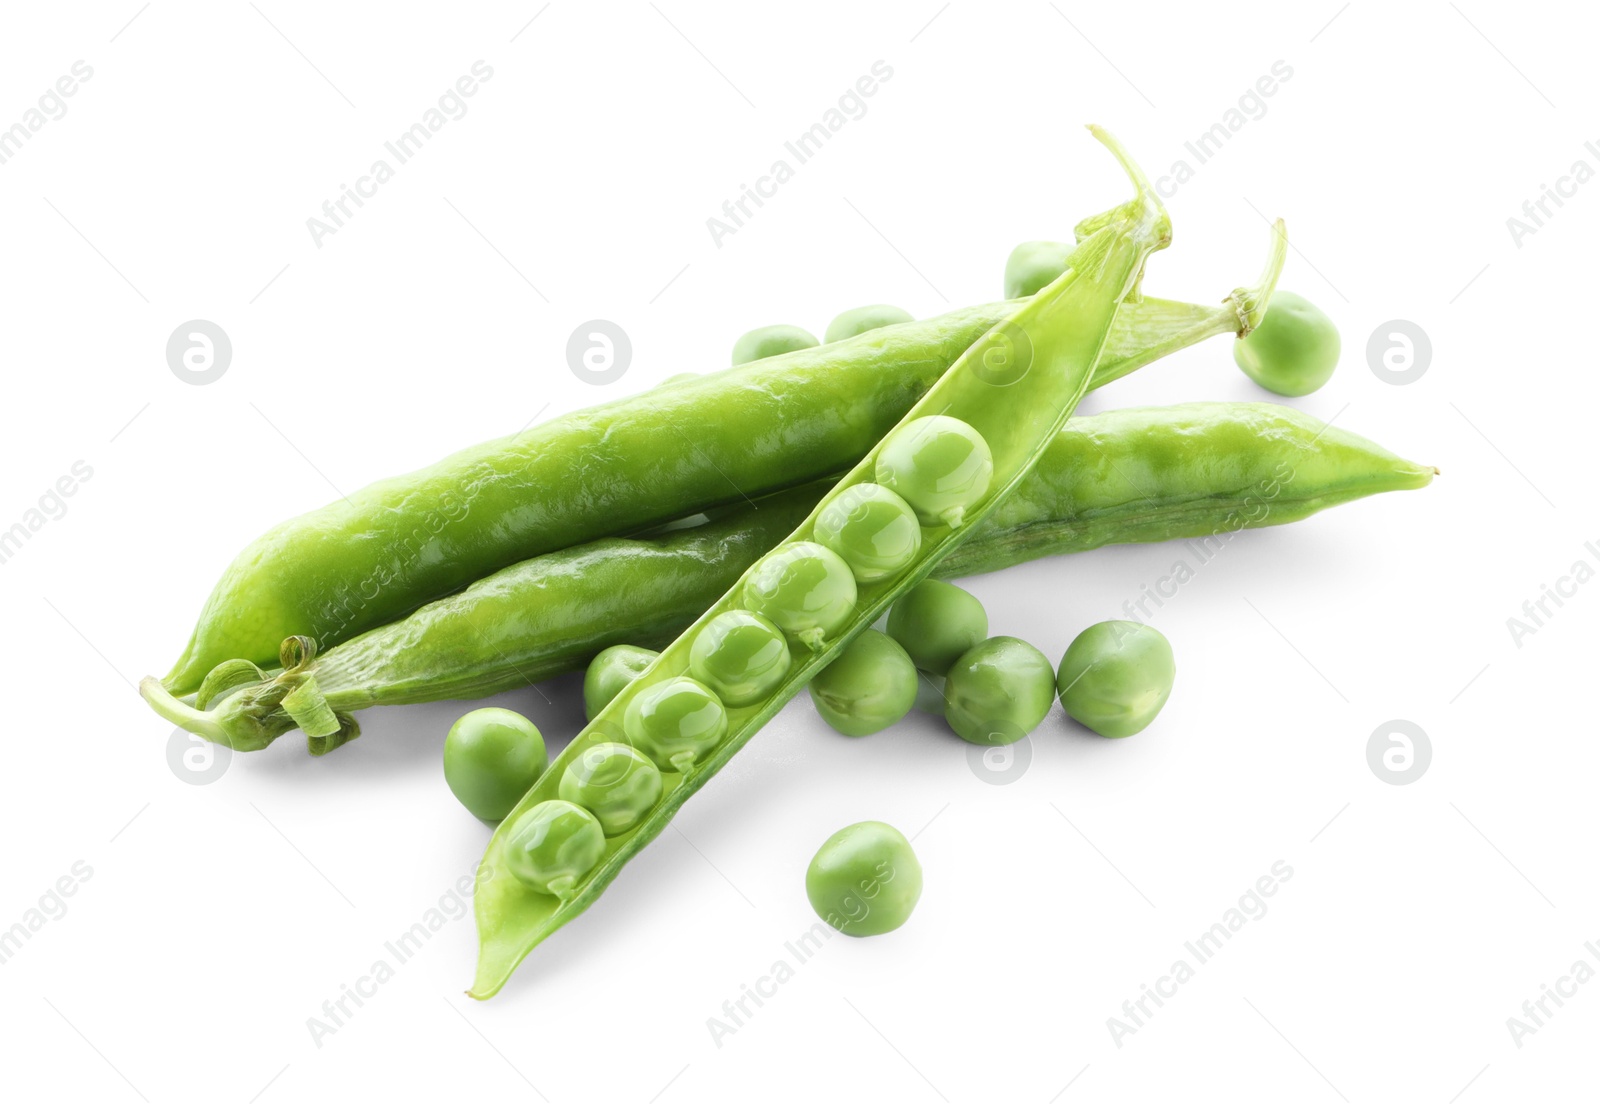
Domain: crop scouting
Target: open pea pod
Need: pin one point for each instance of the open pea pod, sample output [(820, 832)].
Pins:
[(944, 469)]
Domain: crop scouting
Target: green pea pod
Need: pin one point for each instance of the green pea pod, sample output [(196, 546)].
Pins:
[(1200, 470), (621, 468), (1010, 394)]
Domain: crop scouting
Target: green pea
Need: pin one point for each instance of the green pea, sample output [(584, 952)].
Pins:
[(940, 465), (1116, 676), (936, 623), (874, 530), (553, 846), (998, 691), (763, 342), (805, 589), (740, 656), (848, 324), (491, 758), (612, 670), (615, 783), (864, 880), (1032, 265), (869, 686), (675, 723), (1294, 350)]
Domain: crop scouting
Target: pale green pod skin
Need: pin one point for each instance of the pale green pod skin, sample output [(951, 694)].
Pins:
[(765, 342), (848, 324), (870, 686), (1116, 677), (939, 465), (612, 670), (1295, 349), (615, 783), (865, 880), (740, 656), (552, 846), (1065, 327), (805, 589), (1032, 265), (936, 623), (675, 723), (998, 691), (874, 530)]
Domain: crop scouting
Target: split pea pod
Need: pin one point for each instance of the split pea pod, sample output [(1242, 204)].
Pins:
[(953, 459), (1199, 470), (621, 468)]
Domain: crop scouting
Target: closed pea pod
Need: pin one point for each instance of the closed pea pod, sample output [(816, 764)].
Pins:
[(1066, 326)]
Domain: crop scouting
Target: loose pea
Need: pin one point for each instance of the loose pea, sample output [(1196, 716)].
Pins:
[(1032, 265), (611, 671), (675, 723), (491, 758), (939, 464), (740, 656), (874, 530), (864, 880), (805, 589), (1116, 676), (869, 686), (848, 324), (1294, 350), (998, 691), (615, 783), (936, 623), (554, 845), (762, 342)]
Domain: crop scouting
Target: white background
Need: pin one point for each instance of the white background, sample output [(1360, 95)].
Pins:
[(219, 919)]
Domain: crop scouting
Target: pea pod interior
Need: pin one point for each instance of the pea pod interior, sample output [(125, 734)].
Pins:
[(1015, 387)]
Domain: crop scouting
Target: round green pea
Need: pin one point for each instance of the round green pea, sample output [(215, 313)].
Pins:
[(805, 589), (940, 466), (869, 686), (740, 656), (612, 670), (1294, 350), (1116, 677), (675, 723), (936, 623), (998, 691), (1032, 265), (491, 758), (848, 324), (874, 530), (864, 880), (553, 846), (615, 783), (781, 338)]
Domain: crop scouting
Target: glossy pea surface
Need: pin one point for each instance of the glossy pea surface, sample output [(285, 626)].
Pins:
[(998, 691), (612, 670), (803, 588), (871, 685), (873, 529), (1294, 350), (491, 757), (1116, 677), (848, 324), (740, 656), (615, 783), (765, 342), (939, 465), (865, 880), (1032, 265), (675, 723), (554, 845), (936, 623)]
